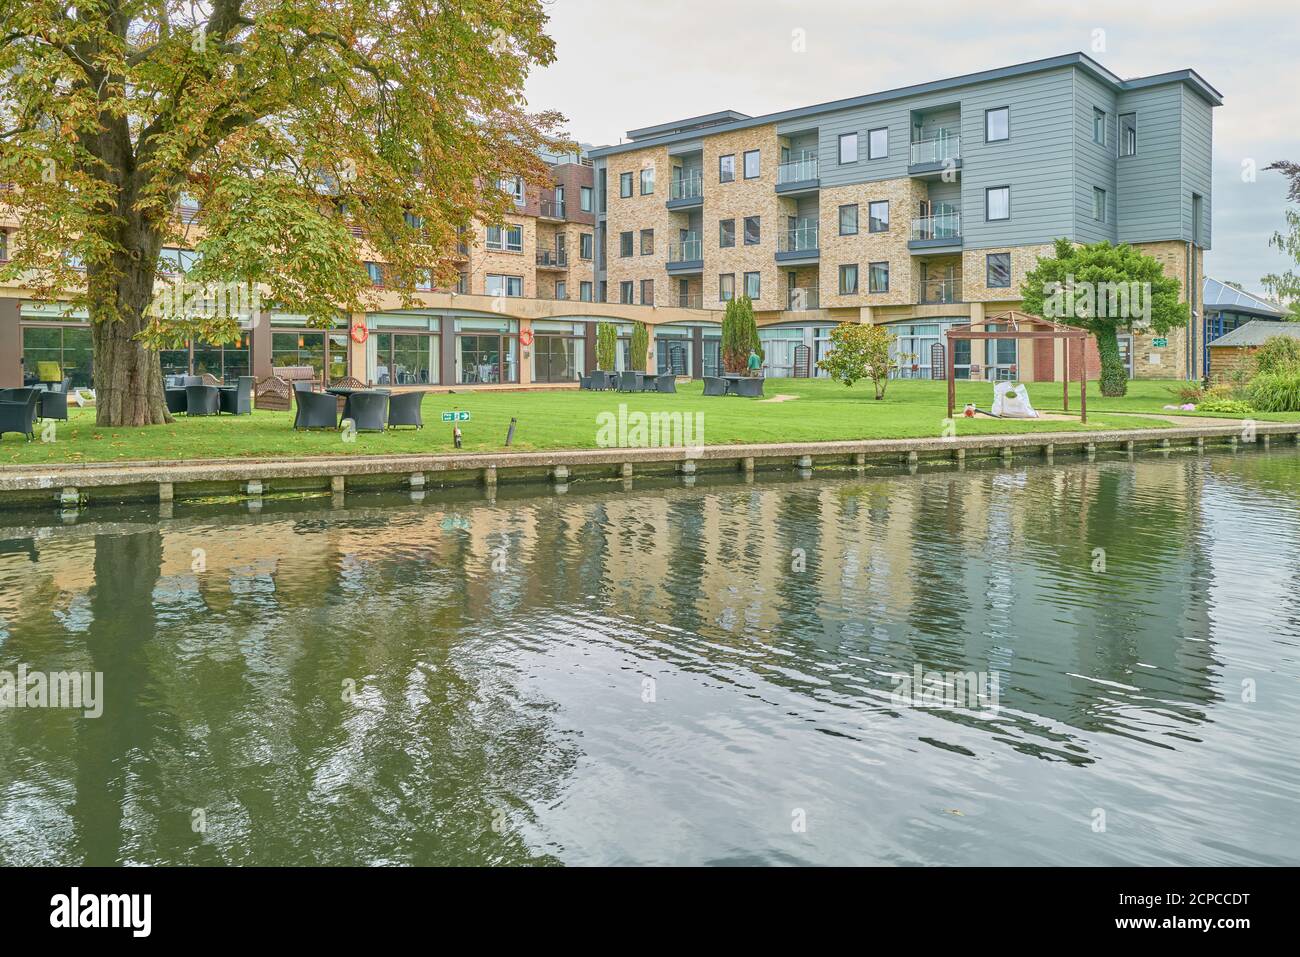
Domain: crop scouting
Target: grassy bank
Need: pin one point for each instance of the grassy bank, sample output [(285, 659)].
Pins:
[(819, 411)]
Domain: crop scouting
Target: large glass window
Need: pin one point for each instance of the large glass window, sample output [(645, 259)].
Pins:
[(226, 362), (848, 148), (878, 212), (505, 238), (304, 348), (406, 358), (878, 143), (52, 354), (497, 285), (486, 358), (878, 277)]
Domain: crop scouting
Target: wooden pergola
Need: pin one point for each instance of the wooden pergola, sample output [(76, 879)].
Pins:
[(1037, 329)]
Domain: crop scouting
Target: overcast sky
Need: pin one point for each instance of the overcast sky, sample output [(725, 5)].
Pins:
[(625, 64)]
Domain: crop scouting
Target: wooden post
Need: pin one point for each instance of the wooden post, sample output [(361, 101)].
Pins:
[(952, 376), (1083, 395), (1065, 377)]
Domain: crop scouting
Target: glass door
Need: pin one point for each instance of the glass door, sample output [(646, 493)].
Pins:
[(556, 359)]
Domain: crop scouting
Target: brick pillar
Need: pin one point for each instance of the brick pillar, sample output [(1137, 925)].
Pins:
[(357, 350), (11, 344), (526, 354)]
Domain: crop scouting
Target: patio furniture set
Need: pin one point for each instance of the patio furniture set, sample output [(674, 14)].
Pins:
[(204, 395), (599, 381), (370, 410), (21, 408)]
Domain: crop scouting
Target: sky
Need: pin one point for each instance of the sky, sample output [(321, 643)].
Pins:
[(623, 64)]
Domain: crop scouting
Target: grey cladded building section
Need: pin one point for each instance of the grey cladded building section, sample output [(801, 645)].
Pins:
[(1050, 160)]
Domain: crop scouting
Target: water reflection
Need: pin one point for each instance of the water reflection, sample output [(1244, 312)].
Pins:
[(671, 674)]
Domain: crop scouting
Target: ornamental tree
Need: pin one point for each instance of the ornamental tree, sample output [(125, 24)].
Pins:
[(859, 351), (312, 136), (739, 335), (1105, 288), (1285, 286), (639, 346), (606, 346)]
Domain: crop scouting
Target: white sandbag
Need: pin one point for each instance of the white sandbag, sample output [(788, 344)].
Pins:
[(1011, 401)]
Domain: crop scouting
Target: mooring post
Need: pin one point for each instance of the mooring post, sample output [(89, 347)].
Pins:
[(69, 497), (686, 467), (1130, 446), (626, 470), (338, 484), (490, 476), (1049, 450), (912, 457), (416, 480), (166, 492), (253, 488), (805, 462), (959, 455), (859, 458), (560, 474), (747, 465)]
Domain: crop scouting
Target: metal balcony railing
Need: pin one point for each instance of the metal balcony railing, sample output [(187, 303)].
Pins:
[(798, 169), (940, 226), (937, 292), (688, 250), (554, 258), (692, 300), (938, 149), (802, 298), (690, 185), (552, 208), (800, 238)]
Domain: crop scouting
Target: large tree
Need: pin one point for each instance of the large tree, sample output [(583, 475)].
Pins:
[(312, 134), (1105, 288), (1285, 286)]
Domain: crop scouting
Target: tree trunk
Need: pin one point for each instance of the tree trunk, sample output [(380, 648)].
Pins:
[(128, 375), (1114, 377)]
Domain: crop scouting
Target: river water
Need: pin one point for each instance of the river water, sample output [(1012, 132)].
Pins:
[(663, 673)]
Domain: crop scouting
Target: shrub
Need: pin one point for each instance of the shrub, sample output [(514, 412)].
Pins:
[(1187, 393), (1275, 391), (1278, 354), (640, 346), (606, 346), (1225, 406), (739, 335)]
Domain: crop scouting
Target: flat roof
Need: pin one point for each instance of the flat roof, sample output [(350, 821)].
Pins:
[(1255, 332), (677, 130)]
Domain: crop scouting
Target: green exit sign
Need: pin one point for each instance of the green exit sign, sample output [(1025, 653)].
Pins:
[(1160, 343), (455, 417)]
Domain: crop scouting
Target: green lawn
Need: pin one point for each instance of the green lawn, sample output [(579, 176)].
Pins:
[(553, 420)]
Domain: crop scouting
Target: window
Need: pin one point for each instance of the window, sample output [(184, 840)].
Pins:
[(424, 280), (997, 268), (878, 277), (412, 220), (625, 243), (514, 185), (584, 198), (1099, 126), (1128, 134), (376, 273), (1196, 218), (753, 285), (1099, 204), (503, 285), (584, 291), (726, 233), (848, 148), (751, 164), (648, 181), (505, 238), (997, 202), (878, 143), (647, 292), (624, 185), (171, 260), (647, 242), (752, 232), (4, 245), (997, 124), (727, 286), (849, 220), (584, 245), (55, 353), (625, 289), (849, 280), (878, 216), (727, 168), (561, 289)]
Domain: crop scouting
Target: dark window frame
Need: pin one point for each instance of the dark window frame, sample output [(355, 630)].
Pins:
[(997, 109), (997, 219), (988, 270), (856, 221)]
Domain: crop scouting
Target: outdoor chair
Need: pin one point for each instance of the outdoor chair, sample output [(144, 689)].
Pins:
[(369, 411), (584, 383), (54, 405), (666, 382), (627, 382), (316, 410), (238, 399), (648, 382), (749, 388), (18, 412), (202, 400), (599, 380), (404, 409), (175, 398), (714, 385)]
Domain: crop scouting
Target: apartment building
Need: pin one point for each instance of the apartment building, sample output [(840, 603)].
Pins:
[(516, 277), (919, 208)]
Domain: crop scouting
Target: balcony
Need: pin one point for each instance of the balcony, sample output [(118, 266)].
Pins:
[(686, 190), (938, 233), (798, 175), (938, 292), (798, 244), (692, 300), (802, 299), (552, 259), (550, 208), (686, 256), (930, 157)]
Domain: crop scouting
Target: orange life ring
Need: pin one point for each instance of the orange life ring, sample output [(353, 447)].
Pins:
[(526, 337), (360, 333)]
